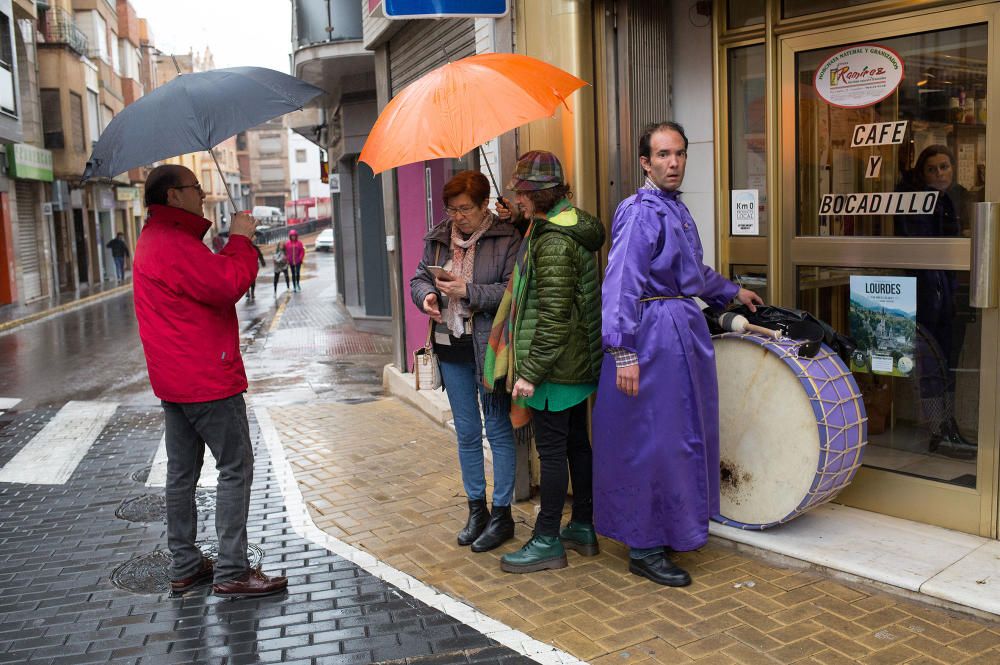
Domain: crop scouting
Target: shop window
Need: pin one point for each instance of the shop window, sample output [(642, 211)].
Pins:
[(745, 13), (793, 8), (916, 363), (747, 139), (850, 185), (753, 277)]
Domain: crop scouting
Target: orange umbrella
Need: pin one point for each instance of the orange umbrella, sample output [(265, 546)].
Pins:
[(459, 106)]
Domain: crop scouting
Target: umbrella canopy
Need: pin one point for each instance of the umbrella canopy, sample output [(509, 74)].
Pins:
[(459, 106), (194, 112)]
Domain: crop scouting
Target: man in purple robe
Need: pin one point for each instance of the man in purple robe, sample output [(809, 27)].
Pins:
[(656, 442)]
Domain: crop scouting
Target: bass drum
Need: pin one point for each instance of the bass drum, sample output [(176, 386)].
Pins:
[(792, 429)]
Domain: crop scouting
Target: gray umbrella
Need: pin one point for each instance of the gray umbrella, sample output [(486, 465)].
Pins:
[(194, 112)]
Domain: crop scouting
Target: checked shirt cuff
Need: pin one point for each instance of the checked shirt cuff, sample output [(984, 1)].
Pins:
[(624, 357)]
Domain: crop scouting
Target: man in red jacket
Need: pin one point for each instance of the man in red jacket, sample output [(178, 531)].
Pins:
[(185, 302)]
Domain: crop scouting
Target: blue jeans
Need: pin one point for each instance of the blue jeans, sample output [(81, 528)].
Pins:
[(119, 267), (462, 387)]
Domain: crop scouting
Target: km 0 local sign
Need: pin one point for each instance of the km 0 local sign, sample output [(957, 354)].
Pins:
[(407, 9), (859, 76)]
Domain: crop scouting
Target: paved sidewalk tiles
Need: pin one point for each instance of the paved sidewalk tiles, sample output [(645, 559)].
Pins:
[(60, 543), (383, 478)]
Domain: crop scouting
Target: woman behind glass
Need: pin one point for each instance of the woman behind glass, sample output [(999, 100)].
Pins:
[(478, 253), (941, 322)]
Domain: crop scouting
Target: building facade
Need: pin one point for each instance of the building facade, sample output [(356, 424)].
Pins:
[(328, 51), (750, 83)]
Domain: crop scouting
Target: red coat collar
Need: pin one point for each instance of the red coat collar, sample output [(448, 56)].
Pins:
[(196, 225)]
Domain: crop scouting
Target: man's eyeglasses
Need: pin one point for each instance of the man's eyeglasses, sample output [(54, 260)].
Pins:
[(461, 210), (196, 185)]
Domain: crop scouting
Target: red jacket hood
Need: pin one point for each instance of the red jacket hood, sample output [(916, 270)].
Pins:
[(185, 302)]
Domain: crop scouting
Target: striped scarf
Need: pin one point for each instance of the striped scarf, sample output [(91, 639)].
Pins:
[(499, 361)]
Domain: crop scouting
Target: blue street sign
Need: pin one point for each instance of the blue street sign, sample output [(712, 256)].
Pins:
[(405, 9)]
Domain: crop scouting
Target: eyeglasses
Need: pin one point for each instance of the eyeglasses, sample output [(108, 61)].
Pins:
[(461, 210), (196, 185)]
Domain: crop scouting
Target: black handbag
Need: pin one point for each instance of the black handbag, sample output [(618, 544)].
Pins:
[(800, 325)]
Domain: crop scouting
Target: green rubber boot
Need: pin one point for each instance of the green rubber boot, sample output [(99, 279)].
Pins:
[(539, 553), (580, 536)]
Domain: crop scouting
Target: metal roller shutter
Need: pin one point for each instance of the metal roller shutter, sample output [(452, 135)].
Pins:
[(423, 45), (28, 248)]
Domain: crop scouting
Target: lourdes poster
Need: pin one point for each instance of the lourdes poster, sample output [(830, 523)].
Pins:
[(883, 322)]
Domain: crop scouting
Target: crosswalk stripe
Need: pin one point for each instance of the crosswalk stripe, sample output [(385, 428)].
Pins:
[(158, 470), (54, 453)]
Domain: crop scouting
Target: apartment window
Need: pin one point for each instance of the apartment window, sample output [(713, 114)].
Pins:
[(76, 122), (101, 30), (300, 156), (52, 125), (303, 192), (115, 48), (269, 145), (272, 174), (93, 116), (207, 181), (106, 117), (7, 97)]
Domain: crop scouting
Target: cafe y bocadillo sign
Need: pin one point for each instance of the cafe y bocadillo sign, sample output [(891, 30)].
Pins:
[(859, 76)]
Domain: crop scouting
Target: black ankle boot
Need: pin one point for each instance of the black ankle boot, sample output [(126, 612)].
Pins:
[(498, 531), (478, 518)]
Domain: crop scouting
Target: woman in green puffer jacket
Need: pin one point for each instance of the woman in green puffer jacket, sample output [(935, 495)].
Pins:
[(556, 349)]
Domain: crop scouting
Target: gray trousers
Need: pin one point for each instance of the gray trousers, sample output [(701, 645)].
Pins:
[(222, 425)]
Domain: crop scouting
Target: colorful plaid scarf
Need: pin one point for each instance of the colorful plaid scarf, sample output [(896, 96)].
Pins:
[(499, 361)]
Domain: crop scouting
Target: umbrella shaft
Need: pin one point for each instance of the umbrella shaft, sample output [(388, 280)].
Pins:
[(225, 185)]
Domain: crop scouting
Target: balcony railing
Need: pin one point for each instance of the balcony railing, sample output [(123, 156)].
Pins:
[(322, 21), (60, 28)]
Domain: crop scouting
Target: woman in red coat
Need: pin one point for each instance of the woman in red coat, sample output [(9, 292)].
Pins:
[(296, 252)]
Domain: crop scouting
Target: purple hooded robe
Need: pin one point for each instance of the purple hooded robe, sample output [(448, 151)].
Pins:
[(656, 455)]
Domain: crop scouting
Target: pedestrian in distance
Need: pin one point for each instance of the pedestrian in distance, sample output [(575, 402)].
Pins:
[(119, 250), (280, 260), (260, 259), (546, 342), (656, 434), (296, 253), (185, 302), (459, 283)]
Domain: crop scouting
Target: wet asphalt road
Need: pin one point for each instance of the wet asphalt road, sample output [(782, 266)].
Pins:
[(94, 353)]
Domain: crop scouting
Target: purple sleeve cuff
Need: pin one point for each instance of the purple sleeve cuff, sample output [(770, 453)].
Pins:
[(620, 341)]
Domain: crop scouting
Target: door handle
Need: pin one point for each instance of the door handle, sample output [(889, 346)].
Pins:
[(983, 278)]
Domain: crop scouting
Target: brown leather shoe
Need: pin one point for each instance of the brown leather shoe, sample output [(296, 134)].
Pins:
[(251, 583), (203, 574)]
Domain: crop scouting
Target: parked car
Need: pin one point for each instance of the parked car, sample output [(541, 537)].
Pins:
[(268, 215), (324, 241)]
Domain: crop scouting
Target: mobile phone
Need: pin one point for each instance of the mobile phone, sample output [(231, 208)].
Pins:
[(441, 273)]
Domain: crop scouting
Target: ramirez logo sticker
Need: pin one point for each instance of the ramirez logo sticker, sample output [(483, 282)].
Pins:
[(859, 76)]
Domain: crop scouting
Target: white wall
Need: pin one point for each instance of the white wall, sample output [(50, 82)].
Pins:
[(691, 60), (308, 170)]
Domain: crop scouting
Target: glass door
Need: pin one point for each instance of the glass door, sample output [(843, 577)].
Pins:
[(885, 154)]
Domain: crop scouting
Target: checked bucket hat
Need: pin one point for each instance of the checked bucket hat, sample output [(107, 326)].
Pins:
[(537, 169)]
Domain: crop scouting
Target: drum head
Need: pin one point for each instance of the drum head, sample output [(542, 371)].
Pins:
[(769, 440)]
